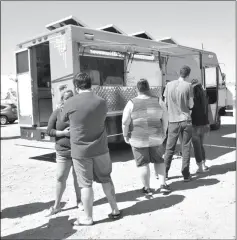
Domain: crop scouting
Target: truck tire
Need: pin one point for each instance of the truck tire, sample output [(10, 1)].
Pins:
[(4, 120), (217, 125)]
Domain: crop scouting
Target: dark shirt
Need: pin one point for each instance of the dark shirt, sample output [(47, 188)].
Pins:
[(199, 113), (62, 144), (86, 113)]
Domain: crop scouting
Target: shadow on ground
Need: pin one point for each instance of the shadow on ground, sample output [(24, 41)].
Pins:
[(218, 170), (152, 205), (49, 157), (134, 195), (26, 209), (195, 183), (122, 154), (56, 228), (10, 138)]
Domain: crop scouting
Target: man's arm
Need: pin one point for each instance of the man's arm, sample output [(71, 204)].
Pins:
[(126, 119), (165, 95), (191, 103), (165, 119)]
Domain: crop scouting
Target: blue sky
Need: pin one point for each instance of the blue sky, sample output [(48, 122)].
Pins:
[(190, 23)]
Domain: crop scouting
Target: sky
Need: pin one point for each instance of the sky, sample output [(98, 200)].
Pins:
[(189, 23)]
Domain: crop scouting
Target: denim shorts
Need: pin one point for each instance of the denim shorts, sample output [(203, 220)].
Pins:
[(62, 157)]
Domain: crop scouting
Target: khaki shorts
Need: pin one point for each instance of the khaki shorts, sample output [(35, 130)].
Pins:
[(144, 156), (96, 169)]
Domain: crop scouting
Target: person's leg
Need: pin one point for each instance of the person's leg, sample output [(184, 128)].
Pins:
[(186, 128), (102, 169), (159, 166), (196, 142), (142, 158), (63, 168), (205, 168), (173, 134), (77, 189), (84, 172)]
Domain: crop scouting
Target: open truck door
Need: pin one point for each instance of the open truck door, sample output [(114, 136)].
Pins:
[(212, 85), (34, 89), (24, 87)]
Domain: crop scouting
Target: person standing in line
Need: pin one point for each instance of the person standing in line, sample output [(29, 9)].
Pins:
[(144, 126), (60, 130), (200, 124), (179, 100), (86, 113)]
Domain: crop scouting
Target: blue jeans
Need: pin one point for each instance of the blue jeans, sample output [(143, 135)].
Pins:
[(184, 130), (197, 141)]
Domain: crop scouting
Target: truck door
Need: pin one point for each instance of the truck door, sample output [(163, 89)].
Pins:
[(24, 87), (211, 81)]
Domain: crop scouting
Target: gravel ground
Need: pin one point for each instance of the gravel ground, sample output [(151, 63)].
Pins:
[(201, 209)]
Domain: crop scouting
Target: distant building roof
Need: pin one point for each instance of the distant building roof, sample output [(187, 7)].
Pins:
[(167, 40), (111, 28), (142, 34), (70, 20)]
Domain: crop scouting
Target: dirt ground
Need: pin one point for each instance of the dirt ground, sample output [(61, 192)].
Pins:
[(202, 209)]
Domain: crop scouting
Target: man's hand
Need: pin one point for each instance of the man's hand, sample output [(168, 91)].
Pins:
[(126, 139)]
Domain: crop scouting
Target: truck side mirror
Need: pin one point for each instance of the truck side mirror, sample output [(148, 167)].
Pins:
[(223, 78)]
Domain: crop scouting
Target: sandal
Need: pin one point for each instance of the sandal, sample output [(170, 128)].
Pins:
[(115, 216), (53, 211)]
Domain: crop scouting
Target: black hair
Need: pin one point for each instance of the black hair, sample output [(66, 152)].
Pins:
[(143, 85), (185, 71), (82, 81)]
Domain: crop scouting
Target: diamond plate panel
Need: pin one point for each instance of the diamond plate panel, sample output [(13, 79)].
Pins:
[(118, 96)]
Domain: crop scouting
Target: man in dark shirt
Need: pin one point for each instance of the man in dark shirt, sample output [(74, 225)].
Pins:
[(89, 147)]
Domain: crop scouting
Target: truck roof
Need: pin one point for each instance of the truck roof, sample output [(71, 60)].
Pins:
[(70, 23)]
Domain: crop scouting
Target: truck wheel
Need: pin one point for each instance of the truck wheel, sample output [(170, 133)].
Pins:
[(217, 125), (4, 120)]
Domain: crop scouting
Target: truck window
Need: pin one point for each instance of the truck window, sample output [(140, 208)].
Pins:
[(22, 63), (103, 71), (210, 76), (149, 70)]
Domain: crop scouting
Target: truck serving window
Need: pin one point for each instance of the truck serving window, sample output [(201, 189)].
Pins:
[(103, 71), (22, 63)]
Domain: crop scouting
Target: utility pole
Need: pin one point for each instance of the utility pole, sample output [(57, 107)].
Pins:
[(202, 46)]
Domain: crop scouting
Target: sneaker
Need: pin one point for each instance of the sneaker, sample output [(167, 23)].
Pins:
[(53, 211), (205, 168), (80, 206), (147, 191), (188, 179), (165, 189)]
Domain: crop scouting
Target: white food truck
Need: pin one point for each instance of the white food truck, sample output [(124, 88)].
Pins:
[(46, 64)]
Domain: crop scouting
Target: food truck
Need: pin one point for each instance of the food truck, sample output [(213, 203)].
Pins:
[(115, 61)]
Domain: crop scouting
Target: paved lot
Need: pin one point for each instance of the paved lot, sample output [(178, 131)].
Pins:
[(202, 209)]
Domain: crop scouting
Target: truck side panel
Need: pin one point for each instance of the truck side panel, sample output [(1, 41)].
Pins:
[(61, 64)]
